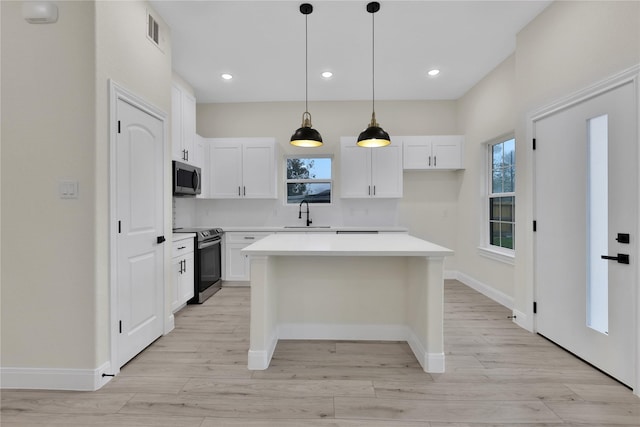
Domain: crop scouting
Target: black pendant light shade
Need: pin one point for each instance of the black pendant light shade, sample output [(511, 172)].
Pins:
[(306, 136), (374, 135)]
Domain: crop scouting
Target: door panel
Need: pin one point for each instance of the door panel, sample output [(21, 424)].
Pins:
[(139, 156), (573, 204)]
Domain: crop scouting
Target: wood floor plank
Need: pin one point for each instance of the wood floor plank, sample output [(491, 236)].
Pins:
[(227, 422), (444, 411), (279, 388)]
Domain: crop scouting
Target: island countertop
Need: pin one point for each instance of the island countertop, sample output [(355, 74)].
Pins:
[(321, 244)]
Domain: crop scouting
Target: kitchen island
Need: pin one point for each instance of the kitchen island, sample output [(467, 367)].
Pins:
[(347, 287)]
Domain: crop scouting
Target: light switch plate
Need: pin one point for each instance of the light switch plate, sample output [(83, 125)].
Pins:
[(68, 189)]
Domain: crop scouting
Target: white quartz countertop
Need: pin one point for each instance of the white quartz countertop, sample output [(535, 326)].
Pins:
[(315, 228), (327, 244), (182, 236)]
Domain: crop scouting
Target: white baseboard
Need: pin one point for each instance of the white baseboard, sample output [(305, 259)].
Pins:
[(260, 360), (522, 320), (430, 362), (450, 275), (54, 378), (486, 290), (321, 331)]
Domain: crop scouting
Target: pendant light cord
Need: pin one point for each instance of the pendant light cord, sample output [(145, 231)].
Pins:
[(306, 65), (373, 63)]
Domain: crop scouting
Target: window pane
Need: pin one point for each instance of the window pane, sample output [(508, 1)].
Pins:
[(316, 168), (494, 209), (316, 192), (507, 209), (497, 155), (506, 235), (494, 233), (510, 152), (509, 179), (497, 185)]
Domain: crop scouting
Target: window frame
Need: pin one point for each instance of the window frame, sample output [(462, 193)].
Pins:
[(329, 181), (486, 249)]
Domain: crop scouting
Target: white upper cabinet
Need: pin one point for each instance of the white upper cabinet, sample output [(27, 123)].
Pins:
[(183, 124), (370, 172), (432, 152), (242, 168)]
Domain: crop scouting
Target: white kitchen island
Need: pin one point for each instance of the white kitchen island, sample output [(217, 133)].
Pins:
[(347, 287)]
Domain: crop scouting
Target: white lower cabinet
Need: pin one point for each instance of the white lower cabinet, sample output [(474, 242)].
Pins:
[(182, 263), (236, 265)]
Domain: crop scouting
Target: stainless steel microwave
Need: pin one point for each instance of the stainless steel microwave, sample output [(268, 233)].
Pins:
[(186, 179)]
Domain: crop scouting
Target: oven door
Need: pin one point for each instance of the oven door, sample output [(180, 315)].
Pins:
[(210, 268)]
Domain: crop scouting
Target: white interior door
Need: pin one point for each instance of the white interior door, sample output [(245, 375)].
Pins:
[(140, 257), (585, 194)]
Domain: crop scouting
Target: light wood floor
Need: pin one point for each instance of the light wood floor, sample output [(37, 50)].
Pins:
[(497, 375)]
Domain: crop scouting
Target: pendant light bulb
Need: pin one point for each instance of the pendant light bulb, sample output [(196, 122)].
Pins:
[(373, 136), (306, 136)]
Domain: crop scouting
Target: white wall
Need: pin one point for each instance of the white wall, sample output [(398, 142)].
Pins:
[(486, 112), (48, 244), (429, 205)]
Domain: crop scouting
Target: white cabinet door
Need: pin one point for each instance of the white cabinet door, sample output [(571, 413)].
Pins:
[(176, 123), (258, 170), (186, 287), (447, 151), (355, 170), (225, 170), (236, 264), (176, 271), (183, 125), (188, 126), (370, 172), (386, 171), (417, 152)]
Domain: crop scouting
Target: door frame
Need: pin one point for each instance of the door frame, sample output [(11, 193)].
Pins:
[(118, 93), (528, 321)]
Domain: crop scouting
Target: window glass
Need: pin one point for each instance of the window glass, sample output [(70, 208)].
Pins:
[(501, 197), (308, 178)]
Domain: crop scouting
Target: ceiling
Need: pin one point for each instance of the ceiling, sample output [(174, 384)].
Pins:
[(262, 44)]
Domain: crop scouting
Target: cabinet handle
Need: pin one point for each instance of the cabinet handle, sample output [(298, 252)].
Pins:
[(429, 160), (185, 265), (187, 155), (239, 191), (182, 247), (249, 238), (244, 191), (369, 190), (435, 161), (374, 190)]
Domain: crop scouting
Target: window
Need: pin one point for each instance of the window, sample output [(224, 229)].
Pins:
[(501, 195), (308, 178)]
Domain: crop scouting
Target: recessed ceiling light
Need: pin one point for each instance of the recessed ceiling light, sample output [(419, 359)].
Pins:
[(434, 72), (226, 76), (327, 74)]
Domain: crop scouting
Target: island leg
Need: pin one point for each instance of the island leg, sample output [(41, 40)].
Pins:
[(263, 331), (425, 302)]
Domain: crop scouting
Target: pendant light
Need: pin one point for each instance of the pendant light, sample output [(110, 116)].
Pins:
[(306, 136), (374, 135)]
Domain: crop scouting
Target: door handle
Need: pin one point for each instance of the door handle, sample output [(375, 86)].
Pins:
[(621, 258), (160, 239)]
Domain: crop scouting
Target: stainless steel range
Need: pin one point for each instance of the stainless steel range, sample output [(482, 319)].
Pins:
[(208, 262)]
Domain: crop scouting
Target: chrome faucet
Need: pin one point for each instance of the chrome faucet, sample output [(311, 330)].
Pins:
[(309, 222)]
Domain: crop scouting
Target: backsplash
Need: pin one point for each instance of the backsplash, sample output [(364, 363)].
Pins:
[(189, 212)]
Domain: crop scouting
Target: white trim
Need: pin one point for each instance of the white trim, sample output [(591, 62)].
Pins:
[(630, 75), (450, 275), (497, 255), (520, 319), (486, 290), (118, 92), (55, 378), (323, 331), (430, 362), (260, 360)]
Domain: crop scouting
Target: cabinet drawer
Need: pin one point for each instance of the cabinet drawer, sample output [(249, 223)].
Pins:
[(181, 247), (242, 237)]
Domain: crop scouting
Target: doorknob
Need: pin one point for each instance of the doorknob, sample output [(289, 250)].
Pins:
[(623, 238), (621, 258), (160, 239)]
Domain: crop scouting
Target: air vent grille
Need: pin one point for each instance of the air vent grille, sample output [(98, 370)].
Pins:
[(153, 30)]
